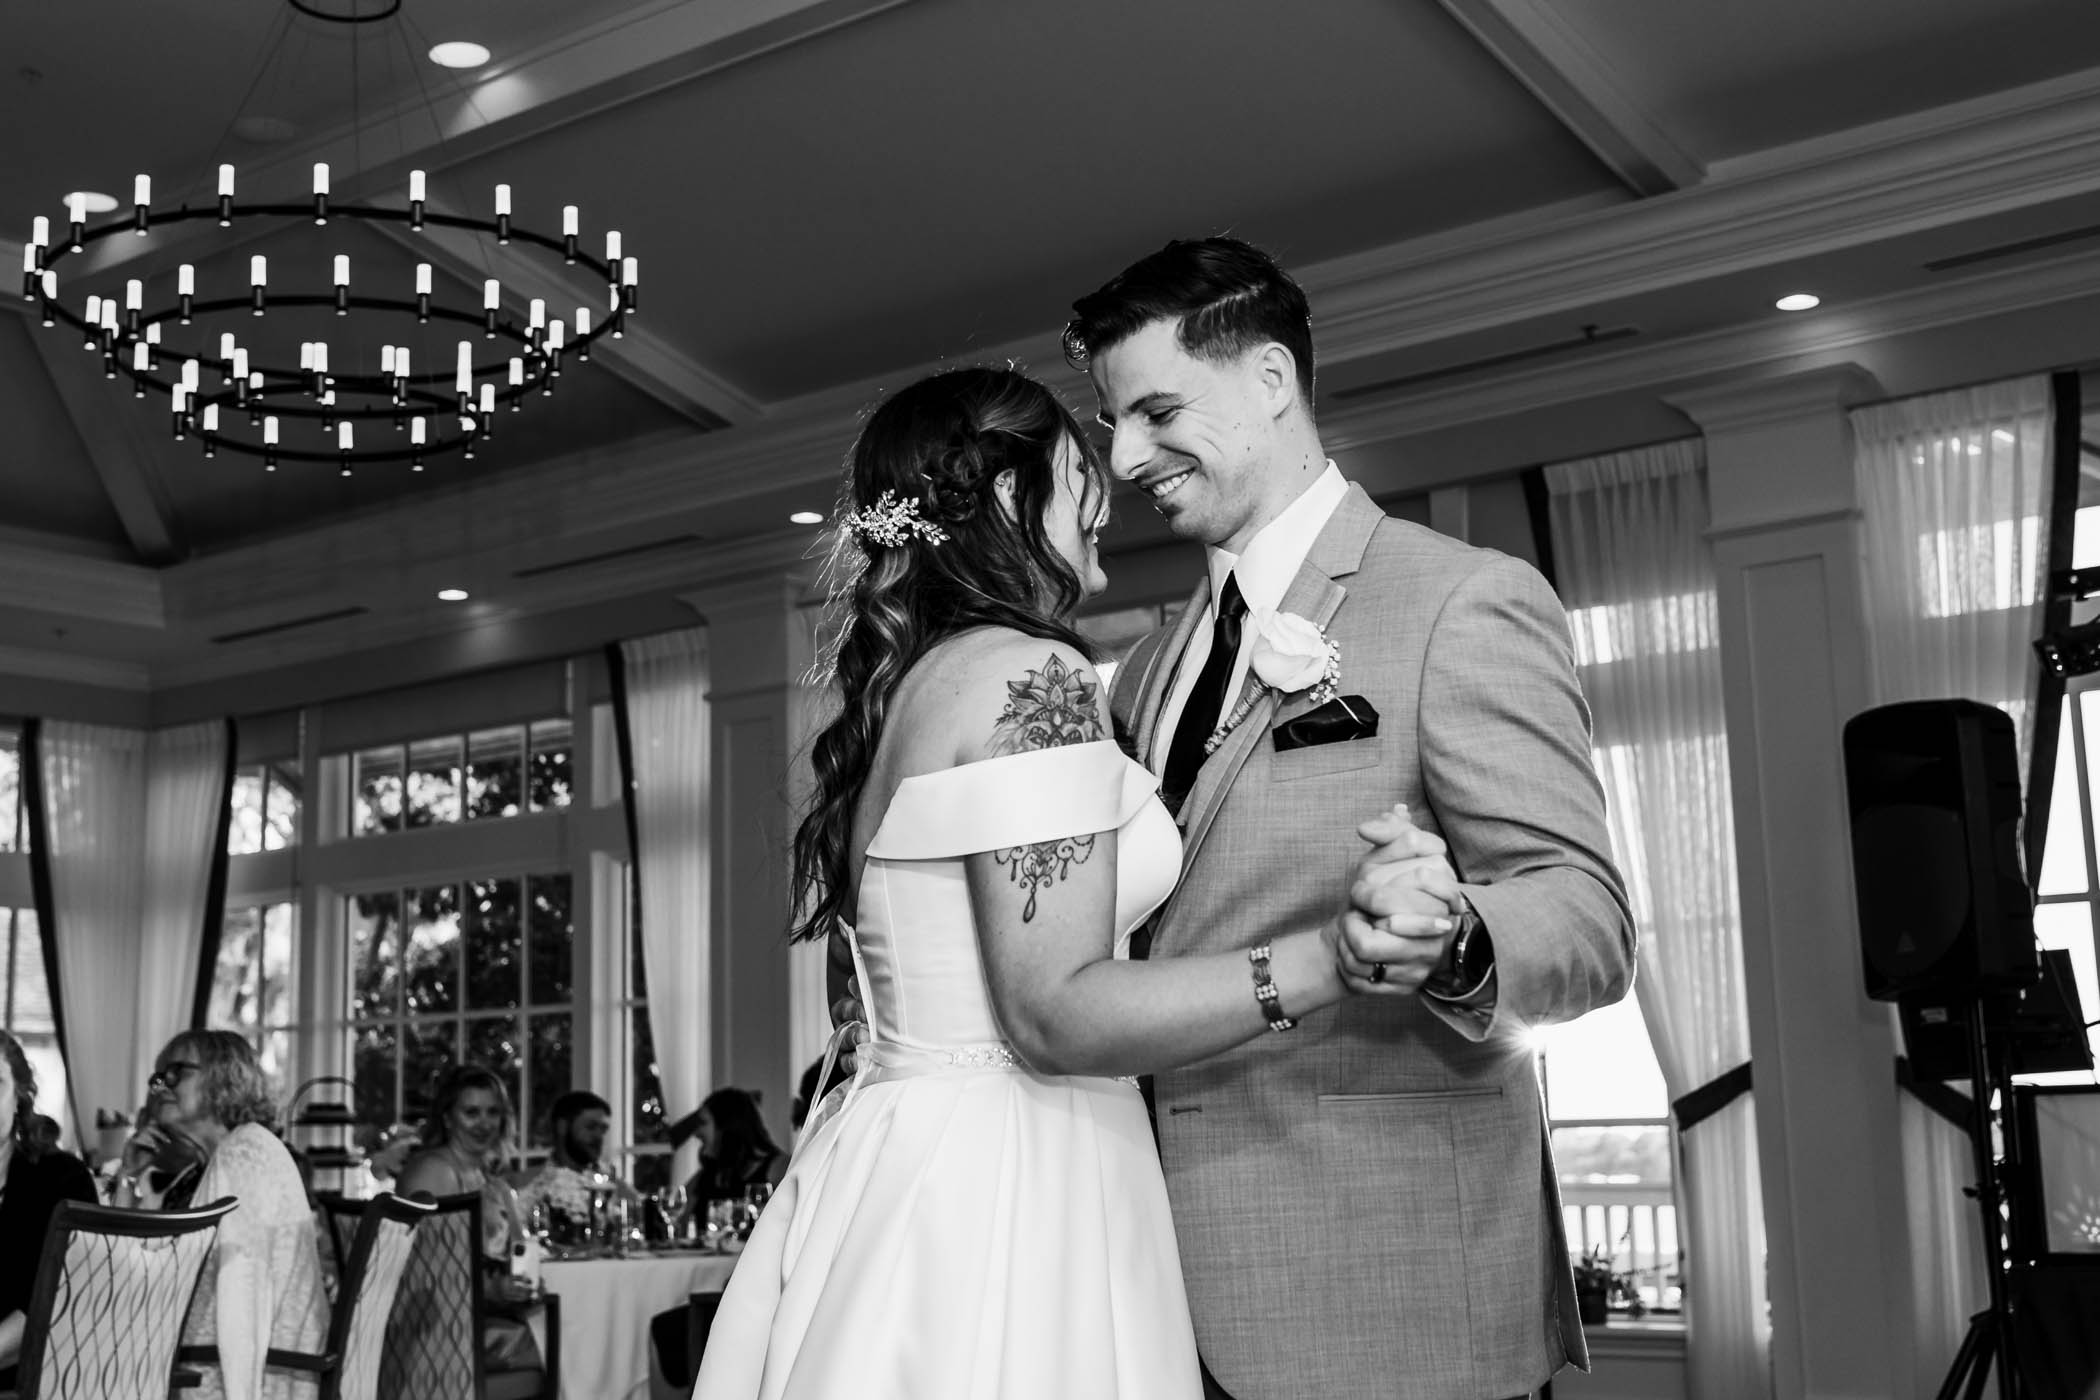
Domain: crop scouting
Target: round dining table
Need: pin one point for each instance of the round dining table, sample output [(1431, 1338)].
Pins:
[(606, 1304)]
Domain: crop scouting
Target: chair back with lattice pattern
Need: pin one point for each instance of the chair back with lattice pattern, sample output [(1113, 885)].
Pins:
[(366, 1292), (112, 1290), (432, 1349)]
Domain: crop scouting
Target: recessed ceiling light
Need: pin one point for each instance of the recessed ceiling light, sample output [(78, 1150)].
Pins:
[(1799, 301), (807, 517), (452, 595), (97, 203), (458, 53)]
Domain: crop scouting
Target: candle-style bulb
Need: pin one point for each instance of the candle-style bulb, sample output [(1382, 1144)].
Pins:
[(211, 418), (258, 271), (386, 359), (320, 177), (401, 361), (76, 207), (502, 199), (153, 334), (190, 377), (612, 248), (134, 294), (240, 364), (488, 399), (226, 182), (342, 437), (417, 432), (466, 368), (270, 430), (415, 186), (422, 279), (226, 345), (142, 190), (320, 357), (186, 280), (569, 220), (554, 334), (536, 314), (342, 269), (517, 371), (40, 231), (491, 294), (630, 272)]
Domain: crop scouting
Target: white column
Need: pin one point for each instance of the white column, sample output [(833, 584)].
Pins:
[(760, 648), (1786, 539)]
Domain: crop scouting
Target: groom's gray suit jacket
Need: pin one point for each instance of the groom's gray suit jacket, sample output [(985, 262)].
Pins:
[(1367, 1204)]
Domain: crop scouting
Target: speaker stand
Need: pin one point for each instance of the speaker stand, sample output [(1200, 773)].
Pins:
[(1988, 1345)]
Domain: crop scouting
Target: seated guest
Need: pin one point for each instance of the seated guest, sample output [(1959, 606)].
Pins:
[(261, 1284), (160, 1164), (563, 1186), (736, 1151), (33, 1180), (462, 1148)]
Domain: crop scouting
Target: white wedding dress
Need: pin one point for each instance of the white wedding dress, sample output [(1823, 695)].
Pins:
[(955, 1226)]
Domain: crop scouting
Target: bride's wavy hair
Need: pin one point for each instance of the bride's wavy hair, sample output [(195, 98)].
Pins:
[(939, 445)]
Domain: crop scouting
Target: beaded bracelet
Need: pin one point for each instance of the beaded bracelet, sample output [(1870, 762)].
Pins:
[(1265, 989)]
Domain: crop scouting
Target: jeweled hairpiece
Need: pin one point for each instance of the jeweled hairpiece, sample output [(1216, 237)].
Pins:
[(891, 521)]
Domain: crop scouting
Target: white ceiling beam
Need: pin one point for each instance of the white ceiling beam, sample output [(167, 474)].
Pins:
[(577, 73), (1542, 50), (641, 357), (117, 445)]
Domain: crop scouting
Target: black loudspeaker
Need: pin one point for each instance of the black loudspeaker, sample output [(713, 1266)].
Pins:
[(1934, 792)]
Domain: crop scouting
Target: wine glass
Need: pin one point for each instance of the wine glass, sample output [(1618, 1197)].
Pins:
[(677, 1223)]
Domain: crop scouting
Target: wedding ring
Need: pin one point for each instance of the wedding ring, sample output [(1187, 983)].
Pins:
[(1377, 972)]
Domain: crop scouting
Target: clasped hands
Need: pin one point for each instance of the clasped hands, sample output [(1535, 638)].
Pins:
[(1403, 910)]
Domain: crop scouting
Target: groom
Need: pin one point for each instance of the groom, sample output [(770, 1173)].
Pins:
[(1366, 1201)]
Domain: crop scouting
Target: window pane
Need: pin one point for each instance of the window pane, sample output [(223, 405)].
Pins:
[(553, 1040), (236, 993), (2071, 926), (373, 922), (551, 768), (430, 966), (274, 1052), (374, 1057), (433, 782), (279, 939), (26, 1006), (287, 790), (10, 791), (428, 1049), (648, 1084), (1602, 1066), (496, 772), (492, 1043), (1615, 1190), (375, 785), (493, 973), (2063, 852), (552, 933), (244, 829)]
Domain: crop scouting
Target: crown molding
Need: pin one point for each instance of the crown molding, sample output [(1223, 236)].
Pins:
[(31, 663), (1759, 403), (67, 584)]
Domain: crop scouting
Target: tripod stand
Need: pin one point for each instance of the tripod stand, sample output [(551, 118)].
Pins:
[(1990, 1337)]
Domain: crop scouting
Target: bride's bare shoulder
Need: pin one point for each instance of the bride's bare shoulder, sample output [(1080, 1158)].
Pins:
[(995, 691)]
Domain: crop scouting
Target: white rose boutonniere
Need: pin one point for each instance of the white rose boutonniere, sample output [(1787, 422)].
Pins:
[(1291, 654)]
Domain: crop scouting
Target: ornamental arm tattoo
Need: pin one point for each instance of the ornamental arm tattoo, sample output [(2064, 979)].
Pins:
[(1049, 707)]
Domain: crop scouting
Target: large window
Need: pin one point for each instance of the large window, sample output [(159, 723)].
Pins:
[(480, 971), (14, 816), (416, 879)]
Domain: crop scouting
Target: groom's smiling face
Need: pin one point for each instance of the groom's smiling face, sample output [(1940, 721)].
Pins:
[(1192, 434)]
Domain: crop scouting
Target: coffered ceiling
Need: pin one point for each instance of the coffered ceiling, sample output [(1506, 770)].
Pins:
[(1498, 206)]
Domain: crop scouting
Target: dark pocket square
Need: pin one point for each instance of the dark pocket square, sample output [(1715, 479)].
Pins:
[(1350, 717)]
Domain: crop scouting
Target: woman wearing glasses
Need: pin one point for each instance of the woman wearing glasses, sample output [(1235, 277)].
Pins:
[(261, 1287)]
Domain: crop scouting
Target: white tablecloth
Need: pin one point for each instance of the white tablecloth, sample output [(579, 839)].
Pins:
[(606, 1305)]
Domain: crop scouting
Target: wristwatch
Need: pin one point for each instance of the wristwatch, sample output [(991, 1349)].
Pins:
[(1468, 958)]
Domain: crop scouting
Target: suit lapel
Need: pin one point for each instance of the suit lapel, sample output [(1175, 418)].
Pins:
[(1161, 670), (1316, 595)]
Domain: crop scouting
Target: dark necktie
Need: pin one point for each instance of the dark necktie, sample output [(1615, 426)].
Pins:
[(1206, 703)]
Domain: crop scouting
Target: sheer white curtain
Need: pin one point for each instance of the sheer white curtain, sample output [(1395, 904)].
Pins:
[(667, 720), (1637, 574), (1954, 491), (95, 814), (185, 798)]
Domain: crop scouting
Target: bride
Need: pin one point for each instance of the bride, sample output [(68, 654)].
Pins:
[(982, 1212)]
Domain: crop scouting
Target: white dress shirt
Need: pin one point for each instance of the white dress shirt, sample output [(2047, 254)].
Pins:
[(1265, 570)]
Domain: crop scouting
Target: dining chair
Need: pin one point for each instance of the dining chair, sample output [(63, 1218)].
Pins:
[(112, 1290), (433, 1339), (367, 1283)]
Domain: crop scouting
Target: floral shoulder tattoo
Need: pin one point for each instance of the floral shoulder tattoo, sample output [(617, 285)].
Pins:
[(1050, 707)]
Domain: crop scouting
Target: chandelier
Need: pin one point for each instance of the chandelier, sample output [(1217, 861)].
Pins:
[(179, 341)]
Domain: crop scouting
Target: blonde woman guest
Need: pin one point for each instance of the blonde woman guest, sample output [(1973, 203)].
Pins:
[(464, 1143), (261, 1286)]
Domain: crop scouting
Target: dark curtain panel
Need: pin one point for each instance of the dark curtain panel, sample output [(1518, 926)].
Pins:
[(1536, 507), (2067, 411), (215, 888)]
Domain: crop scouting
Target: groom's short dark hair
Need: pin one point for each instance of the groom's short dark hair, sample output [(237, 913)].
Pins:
[(1228, 295)]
